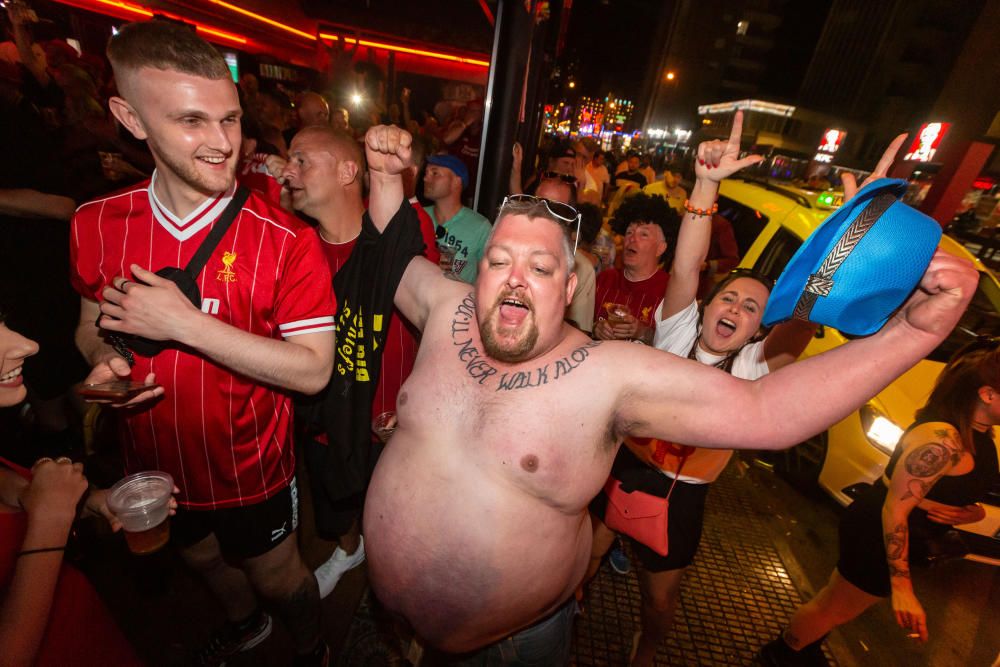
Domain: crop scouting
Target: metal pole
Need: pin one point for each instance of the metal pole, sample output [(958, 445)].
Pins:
[(511, 41)]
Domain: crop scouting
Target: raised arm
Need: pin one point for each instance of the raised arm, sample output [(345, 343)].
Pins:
[(675, 399), (716, 160), (514, 184), (930, 451), (388, 152), (786, 342)]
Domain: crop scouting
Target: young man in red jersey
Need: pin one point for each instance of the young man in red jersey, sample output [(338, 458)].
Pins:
[(220, 421)]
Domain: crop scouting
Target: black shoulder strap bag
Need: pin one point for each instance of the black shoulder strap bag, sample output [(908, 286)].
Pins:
[(186, 280)]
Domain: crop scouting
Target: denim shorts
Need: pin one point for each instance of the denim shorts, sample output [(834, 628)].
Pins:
[(543, 644)]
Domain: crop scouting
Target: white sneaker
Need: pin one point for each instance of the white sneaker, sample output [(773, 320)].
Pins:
[(330, 572)]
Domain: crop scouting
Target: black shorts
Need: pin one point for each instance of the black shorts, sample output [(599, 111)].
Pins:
[(243, 532), (862, 549), (685, 516), (862, 558)]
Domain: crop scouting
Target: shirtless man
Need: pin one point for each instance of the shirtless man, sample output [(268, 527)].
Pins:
[(476, 518)]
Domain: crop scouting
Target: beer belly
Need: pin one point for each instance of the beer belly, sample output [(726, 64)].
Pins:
[(464, 555)]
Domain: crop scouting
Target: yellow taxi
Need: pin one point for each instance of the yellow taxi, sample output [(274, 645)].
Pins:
[(770, 221)]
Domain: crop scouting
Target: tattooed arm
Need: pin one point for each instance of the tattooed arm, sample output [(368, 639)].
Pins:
[(930, 451)]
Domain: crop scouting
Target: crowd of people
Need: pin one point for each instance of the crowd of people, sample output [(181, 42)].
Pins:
[(469, 398)]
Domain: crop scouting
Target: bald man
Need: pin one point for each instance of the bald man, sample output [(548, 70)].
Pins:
[(324, 176)]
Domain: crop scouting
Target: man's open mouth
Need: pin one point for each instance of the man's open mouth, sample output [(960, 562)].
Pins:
[(513, 310)]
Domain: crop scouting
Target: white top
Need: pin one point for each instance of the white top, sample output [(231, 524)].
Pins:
[(677, 334), (581, 308)]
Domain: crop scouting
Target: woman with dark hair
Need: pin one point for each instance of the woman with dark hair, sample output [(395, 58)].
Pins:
[(944, 463), (724, 331)]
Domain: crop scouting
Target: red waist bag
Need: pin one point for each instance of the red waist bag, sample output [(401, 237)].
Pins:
[(640, 515)]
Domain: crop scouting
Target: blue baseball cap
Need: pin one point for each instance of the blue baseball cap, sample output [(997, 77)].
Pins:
[(451, 162), (860, 265)]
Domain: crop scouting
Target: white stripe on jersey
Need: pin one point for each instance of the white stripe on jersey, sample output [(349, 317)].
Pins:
[(196, 220), (303, 323), (289, 334)]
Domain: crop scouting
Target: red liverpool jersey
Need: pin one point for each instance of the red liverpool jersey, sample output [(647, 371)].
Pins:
[(641, 297), (225, 439)]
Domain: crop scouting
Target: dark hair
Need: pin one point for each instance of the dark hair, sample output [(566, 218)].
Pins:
[(590, 223), (165, 45), (733, 275), (645, 208), (956, 393)]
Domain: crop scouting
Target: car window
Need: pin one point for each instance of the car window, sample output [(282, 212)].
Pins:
[(980, 319), (747, 222), (777, 253)]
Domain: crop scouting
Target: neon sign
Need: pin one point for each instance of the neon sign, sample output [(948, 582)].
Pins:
[(926, 143), (832, 139)]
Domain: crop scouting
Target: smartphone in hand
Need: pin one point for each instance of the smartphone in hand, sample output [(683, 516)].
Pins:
[(117, 391)]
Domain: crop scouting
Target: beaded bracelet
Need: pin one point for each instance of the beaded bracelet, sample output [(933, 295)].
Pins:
[(43, 550), (700, 211)]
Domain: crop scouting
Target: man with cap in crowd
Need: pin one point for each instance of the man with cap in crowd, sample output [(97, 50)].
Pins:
[(456, 225)]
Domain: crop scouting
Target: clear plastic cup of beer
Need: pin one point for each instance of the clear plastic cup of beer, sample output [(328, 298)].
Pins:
[(142, 503)]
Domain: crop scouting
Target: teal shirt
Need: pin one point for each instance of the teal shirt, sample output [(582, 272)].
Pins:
[(468, 232)]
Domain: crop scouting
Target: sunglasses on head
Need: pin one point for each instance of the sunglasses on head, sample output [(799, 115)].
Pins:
[(563, 212), (565, 178)]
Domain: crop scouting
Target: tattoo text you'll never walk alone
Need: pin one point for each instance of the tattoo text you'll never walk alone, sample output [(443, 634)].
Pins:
[(480, 369)]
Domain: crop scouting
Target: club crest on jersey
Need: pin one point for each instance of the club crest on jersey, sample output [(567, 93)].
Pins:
[(226, 274)]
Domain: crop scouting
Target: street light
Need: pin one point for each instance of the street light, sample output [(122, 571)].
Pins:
[(356, 99), (572, 84), (670, 76)]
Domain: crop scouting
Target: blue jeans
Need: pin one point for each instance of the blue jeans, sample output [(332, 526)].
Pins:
[(544, 644)]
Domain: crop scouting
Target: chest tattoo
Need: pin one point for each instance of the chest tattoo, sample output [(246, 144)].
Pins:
[(476, 365), (480, 369)]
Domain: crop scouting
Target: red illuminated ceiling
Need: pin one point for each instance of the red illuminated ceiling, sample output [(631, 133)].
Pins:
[(293, 38)]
